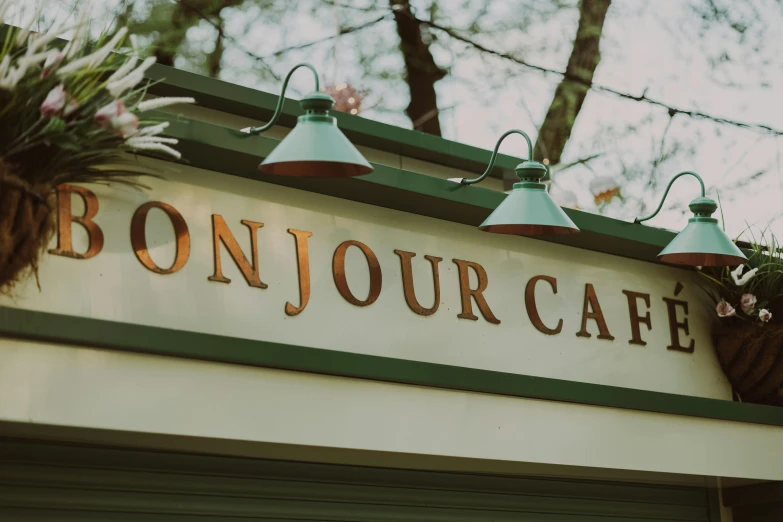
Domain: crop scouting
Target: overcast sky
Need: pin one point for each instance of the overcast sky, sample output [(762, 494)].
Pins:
[(655, 46)]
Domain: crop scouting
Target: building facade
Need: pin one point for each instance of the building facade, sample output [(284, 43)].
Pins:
[(228, 345)]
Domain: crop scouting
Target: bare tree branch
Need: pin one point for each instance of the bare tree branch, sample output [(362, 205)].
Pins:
[(341, 32), (758, 127), (332, 3), (569, 96), (560, 167), (228, 38), (651, 181)]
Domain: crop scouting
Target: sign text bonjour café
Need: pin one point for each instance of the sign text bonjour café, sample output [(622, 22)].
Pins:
[(677, 310)]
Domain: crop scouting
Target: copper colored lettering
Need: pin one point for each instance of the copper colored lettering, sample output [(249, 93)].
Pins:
[(636, 319), (478, 294), (338, 271), (675, 326), (532, 309), (65, 220), (221, 232), (591, 303), (303, 269), (139, 239), (407, 282)]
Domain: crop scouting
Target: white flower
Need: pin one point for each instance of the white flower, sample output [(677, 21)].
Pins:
[(765, 315), (4, 65), (153, 130), (32, 59), (125, 124), (747, 277), (75, 65), (93, 60), (724, 309), (116, 117), (737, 272), (42, 40), (158, 103), (101, 54), (79, 34), (10, 80), (748, 303), (123, 70), (11, 75), (54, 102), (130, 80), (140, 140), (53, 61), (156, 143), (71, 106), (159, 147)]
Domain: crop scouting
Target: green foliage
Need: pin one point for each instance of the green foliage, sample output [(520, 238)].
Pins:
[(70, 145)]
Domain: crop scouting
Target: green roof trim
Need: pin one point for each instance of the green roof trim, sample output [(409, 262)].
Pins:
[(244, 101), (66, 329), (226, 150)]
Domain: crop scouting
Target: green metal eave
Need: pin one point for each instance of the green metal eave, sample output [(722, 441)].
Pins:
[(222, 149), (251, 103)]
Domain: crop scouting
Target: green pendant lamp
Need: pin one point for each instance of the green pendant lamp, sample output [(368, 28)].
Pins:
[(528, 209), (315, 147), (702, 242)]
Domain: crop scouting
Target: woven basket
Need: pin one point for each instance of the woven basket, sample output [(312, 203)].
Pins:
[(752, 358), (26, 225)]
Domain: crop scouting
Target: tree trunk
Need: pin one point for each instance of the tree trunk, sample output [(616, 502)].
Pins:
[(215, 58), (421, 70), (183, 18), (570, 94)]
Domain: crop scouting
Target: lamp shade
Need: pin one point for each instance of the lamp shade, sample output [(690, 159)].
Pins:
[(702, 242), (315, 147), (529, 211)]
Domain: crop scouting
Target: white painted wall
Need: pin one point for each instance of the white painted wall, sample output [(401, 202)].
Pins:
[(115, 286), (96, 389)]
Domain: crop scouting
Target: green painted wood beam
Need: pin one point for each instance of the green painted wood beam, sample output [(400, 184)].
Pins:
[(251, 103), (65, 329), (766, 493), (214, 147), (44, 481)]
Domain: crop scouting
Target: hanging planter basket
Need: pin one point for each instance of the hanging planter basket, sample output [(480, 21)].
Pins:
[(67, 115), (26, 225), (752, 358)]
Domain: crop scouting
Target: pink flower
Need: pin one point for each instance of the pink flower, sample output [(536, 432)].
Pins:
[(765, 315), (724, 309), (117, 118), (748, 303), (54, 102)]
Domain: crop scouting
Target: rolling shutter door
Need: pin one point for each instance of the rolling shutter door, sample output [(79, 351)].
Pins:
[(60, 483)]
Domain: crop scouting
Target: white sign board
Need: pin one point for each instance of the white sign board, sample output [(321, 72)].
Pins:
[(494, 313)]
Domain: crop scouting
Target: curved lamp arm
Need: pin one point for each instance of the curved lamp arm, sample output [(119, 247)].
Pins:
[(281, 100), (666, 193), (464, 181)]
